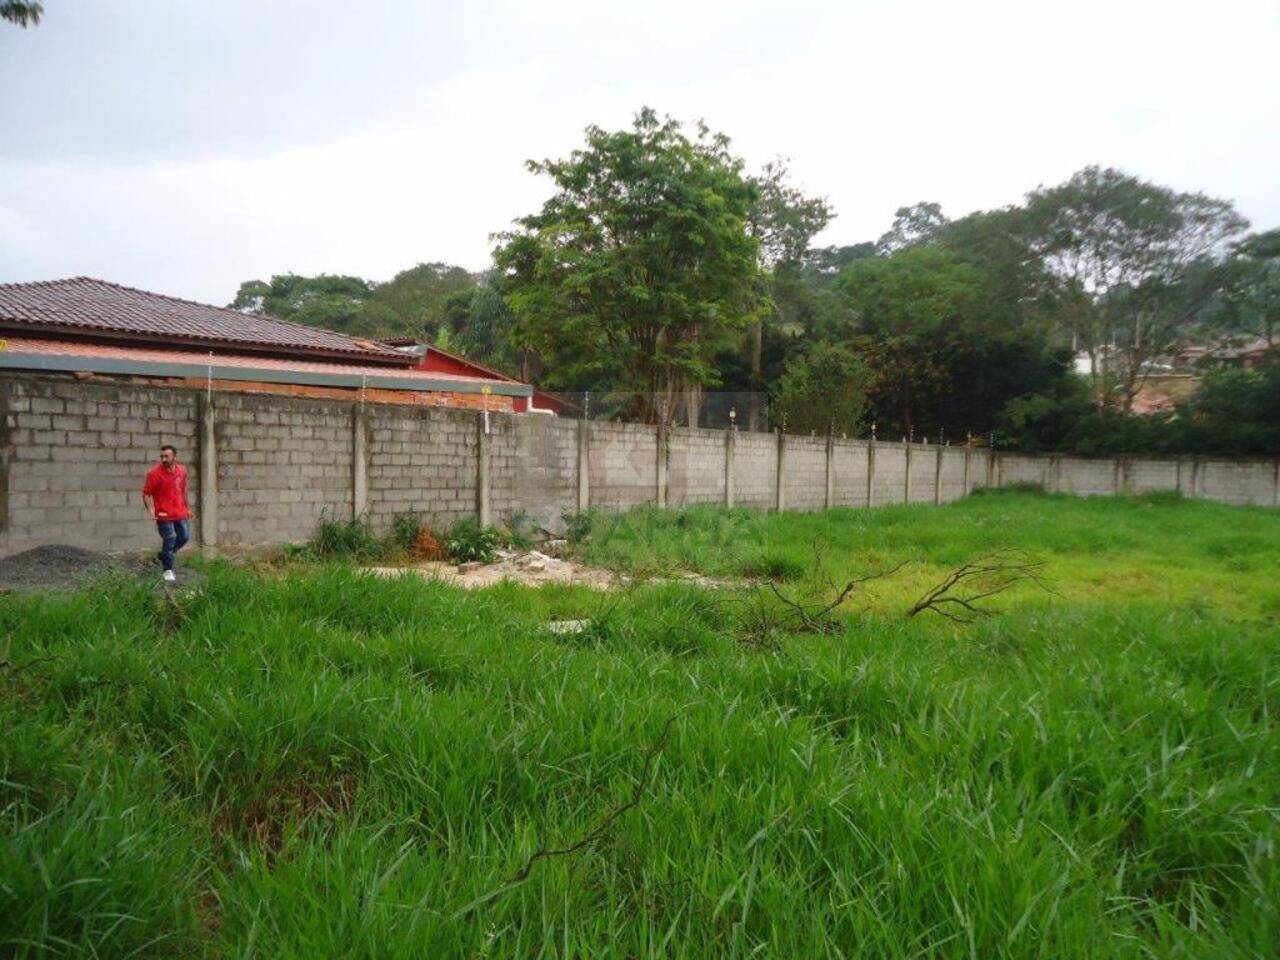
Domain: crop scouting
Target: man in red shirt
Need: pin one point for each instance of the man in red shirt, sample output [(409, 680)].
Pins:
[(164, 494)]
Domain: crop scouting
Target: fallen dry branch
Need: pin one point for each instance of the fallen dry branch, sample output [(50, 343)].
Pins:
[(817, 618), (544, 853), (958, 595)]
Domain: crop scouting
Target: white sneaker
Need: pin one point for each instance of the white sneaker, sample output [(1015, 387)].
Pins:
[(170, 577)]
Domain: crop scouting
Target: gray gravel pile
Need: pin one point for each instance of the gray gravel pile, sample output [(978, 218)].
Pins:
[(61, 566)]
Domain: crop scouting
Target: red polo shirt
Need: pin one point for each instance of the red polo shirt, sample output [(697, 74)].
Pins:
[(168, 491)]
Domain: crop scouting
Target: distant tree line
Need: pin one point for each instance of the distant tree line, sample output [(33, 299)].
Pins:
[(661, 269)]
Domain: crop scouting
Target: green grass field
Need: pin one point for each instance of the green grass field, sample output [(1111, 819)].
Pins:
[(313, 763)]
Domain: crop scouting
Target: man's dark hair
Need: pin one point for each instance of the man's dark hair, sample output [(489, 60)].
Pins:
[(170, 447)]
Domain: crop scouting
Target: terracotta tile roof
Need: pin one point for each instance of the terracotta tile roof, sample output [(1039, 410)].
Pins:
[(88, 307), (224, 365)]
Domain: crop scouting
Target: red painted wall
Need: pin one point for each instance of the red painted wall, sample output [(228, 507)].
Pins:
[(437, 362)]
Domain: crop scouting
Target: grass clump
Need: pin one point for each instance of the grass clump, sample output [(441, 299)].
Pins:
[(470, 542), (326, 763), (348, 539), (405, 529), (578, 524)]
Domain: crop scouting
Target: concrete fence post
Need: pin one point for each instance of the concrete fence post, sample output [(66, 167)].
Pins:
[(730, 443), (482, 468), (937, 475), (906, 473), (584, 465), (660, 471), (780, 487), (1275, 483), (207, 447), (829, 500), (1177, 476), (359, 462), (871, 470), (968, 458)]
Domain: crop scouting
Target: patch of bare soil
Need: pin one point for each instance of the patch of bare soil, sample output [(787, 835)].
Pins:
[(265, 819), (49, 566), (517, 570), (60, 566), (534, 569)]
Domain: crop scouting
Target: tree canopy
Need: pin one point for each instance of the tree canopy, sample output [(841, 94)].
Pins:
[(640, 266), (661, 267), (410, 304), (1136, 262)]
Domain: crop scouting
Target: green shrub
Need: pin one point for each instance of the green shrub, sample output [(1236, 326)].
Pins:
[(774, 566), (404, 529), (350, 539), (469, 541), (578, 524)]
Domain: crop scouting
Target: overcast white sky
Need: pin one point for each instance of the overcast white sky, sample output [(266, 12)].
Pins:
[(185, 146)]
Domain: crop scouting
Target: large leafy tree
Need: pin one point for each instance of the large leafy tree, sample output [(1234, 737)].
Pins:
[(327, 300), (1251, 306), (413, 301), (410, 304), (1137, 263), (902, 311), (479, 324), (784, 220), (824, 388), (640, 266), (945, 349), (913, 225)]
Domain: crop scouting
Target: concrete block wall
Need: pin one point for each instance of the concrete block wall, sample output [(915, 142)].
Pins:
[(924, 462), (1016, 468), (890, 474), (283, 463), (953, 480), (755, 467), (73, 455), (420, 460), (533, 468), (1140, 475), (849, 463), (806, 473), (1085, 478), (1240, 482), (695, 467), (623, 465)]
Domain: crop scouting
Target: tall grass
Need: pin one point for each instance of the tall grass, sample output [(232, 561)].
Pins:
[(328, 764), (1151, 549)]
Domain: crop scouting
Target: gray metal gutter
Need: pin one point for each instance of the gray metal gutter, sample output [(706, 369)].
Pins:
[(146, 368)]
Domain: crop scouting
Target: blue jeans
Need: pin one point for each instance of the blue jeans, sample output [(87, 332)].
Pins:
[(174, 535)]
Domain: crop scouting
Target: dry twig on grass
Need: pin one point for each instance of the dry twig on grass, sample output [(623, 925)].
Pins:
[(543, 853), (957, 596), (772, 612)]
